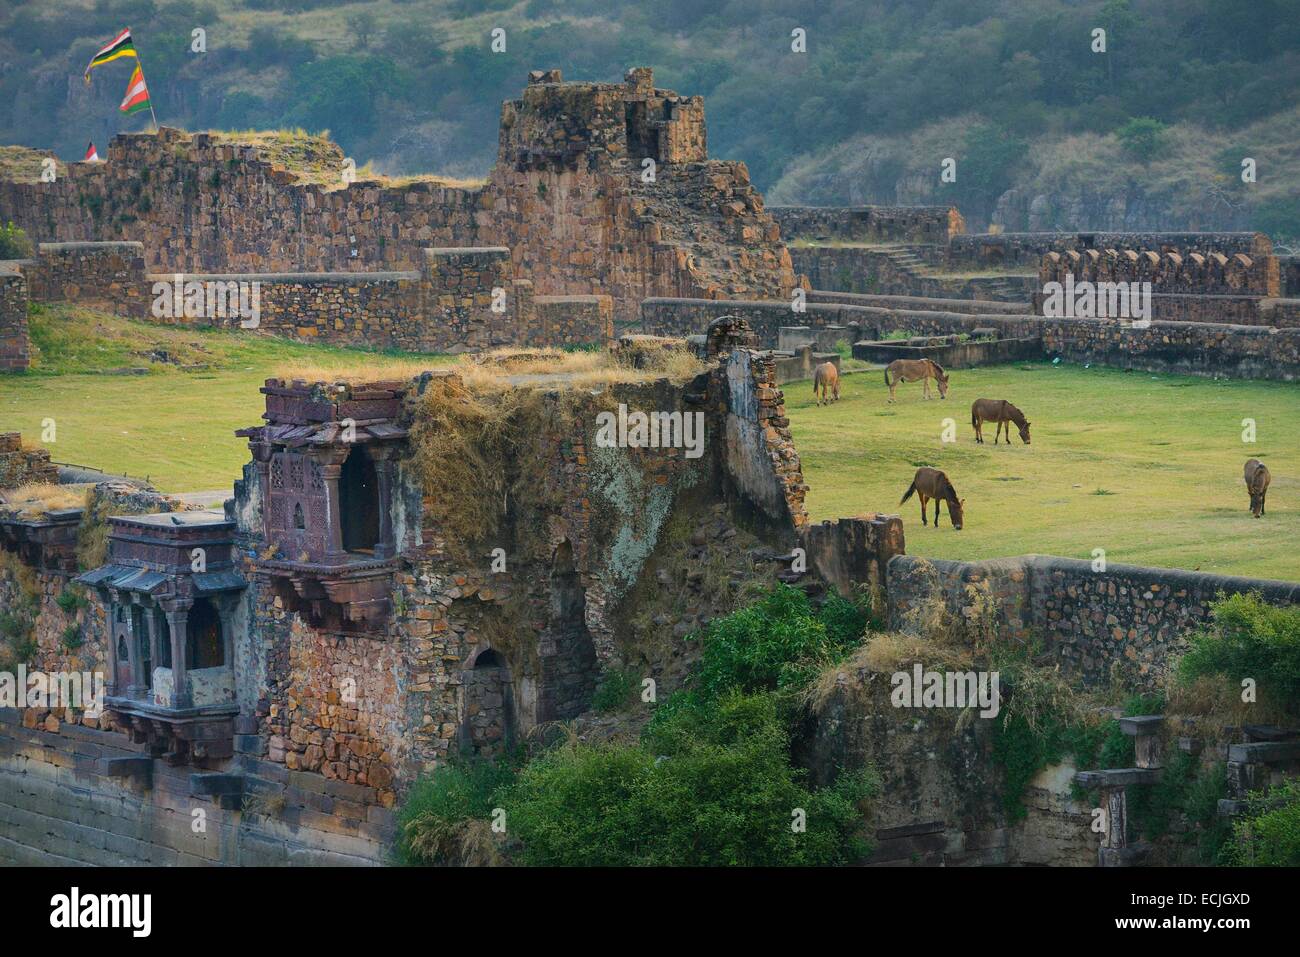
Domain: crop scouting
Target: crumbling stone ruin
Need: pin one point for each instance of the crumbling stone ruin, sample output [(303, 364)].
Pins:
[(382, 592), (571, 198)]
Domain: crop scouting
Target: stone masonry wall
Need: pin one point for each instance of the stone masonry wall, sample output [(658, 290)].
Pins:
[(570, 320), (1189, 348), (19, 466), (15, 343), (102, 275), (1130, 618), (878, 224)]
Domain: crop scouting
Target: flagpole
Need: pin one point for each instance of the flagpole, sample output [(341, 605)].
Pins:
[(139, 61)]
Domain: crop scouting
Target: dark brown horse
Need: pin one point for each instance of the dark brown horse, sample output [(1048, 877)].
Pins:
[(1257, 479), (932, 484), (1003, 413)]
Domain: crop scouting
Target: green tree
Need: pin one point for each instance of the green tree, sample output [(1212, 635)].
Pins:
[(1143, 138)]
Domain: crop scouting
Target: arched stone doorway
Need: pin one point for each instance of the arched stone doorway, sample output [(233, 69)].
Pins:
[(488, 725)]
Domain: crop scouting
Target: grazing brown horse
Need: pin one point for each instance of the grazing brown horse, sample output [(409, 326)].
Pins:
[(826, 378), (1257, 479), (909, 370), (932, 484), (1003, 413)]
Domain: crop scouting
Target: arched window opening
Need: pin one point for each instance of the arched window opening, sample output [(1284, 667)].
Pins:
[(488, 659), (359, 503), (298, 521)]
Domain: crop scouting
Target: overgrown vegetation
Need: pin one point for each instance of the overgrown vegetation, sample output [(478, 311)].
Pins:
[(709, 782), (14, 243), (1269, 834)]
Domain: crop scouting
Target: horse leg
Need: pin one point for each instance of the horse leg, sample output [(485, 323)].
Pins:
[(937, 502), (921, 495)]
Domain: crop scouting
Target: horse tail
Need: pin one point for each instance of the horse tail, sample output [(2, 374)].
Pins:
[(886, 375), (910, 489)]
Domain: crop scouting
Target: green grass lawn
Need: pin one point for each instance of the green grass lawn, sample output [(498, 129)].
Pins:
[(1147, 467), (173, 426)]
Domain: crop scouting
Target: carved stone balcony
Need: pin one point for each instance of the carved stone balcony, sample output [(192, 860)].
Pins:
[(171, 588), (325, 461)]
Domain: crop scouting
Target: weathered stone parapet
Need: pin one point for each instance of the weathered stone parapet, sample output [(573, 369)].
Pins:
[(1189, 348), (870, 224), (1130, 618)]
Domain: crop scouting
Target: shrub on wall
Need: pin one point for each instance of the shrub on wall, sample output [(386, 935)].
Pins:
[(1269, 836), (14, 243), (1249, 639)]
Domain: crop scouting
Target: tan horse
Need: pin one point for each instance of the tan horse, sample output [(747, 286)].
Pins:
[(826, 378), (909, 370), (1003, 413), (932, 484), (1257, 479)]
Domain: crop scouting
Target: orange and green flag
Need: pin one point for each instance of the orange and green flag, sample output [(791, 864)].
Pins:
[(116, 48), (137, 94)]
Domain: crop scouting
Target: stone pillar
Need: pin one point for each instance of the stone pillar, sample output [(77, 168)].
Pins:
[(178, 620), (225, 603), (109, 598), (331, 459), (137, 687), (155, 642), (262, 452), (382, 456)]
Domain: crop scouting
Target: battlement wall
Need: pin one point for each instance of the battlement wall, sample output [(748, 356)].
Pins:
[(1211, 274), (991, 250)]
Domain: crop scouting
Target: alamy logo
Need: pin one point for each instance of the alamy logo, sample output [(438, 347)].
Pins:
[(651, 430), (920, 688), (52, 690), (209, 299), (1097, 300), (102, 910)]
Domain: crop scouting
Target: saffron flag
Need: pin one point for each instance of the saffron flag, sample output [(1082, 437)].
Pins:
[(91, 155), (119, 46), (137, 94)]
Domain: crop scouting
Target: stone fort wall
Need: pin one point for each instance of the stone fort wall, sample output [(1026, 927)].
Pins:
[(459, 299), (567, 198)]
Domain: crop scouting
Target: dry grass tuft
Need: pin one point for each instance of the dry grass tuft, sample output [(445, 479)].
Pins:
[(36, 500), (379, 370)]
